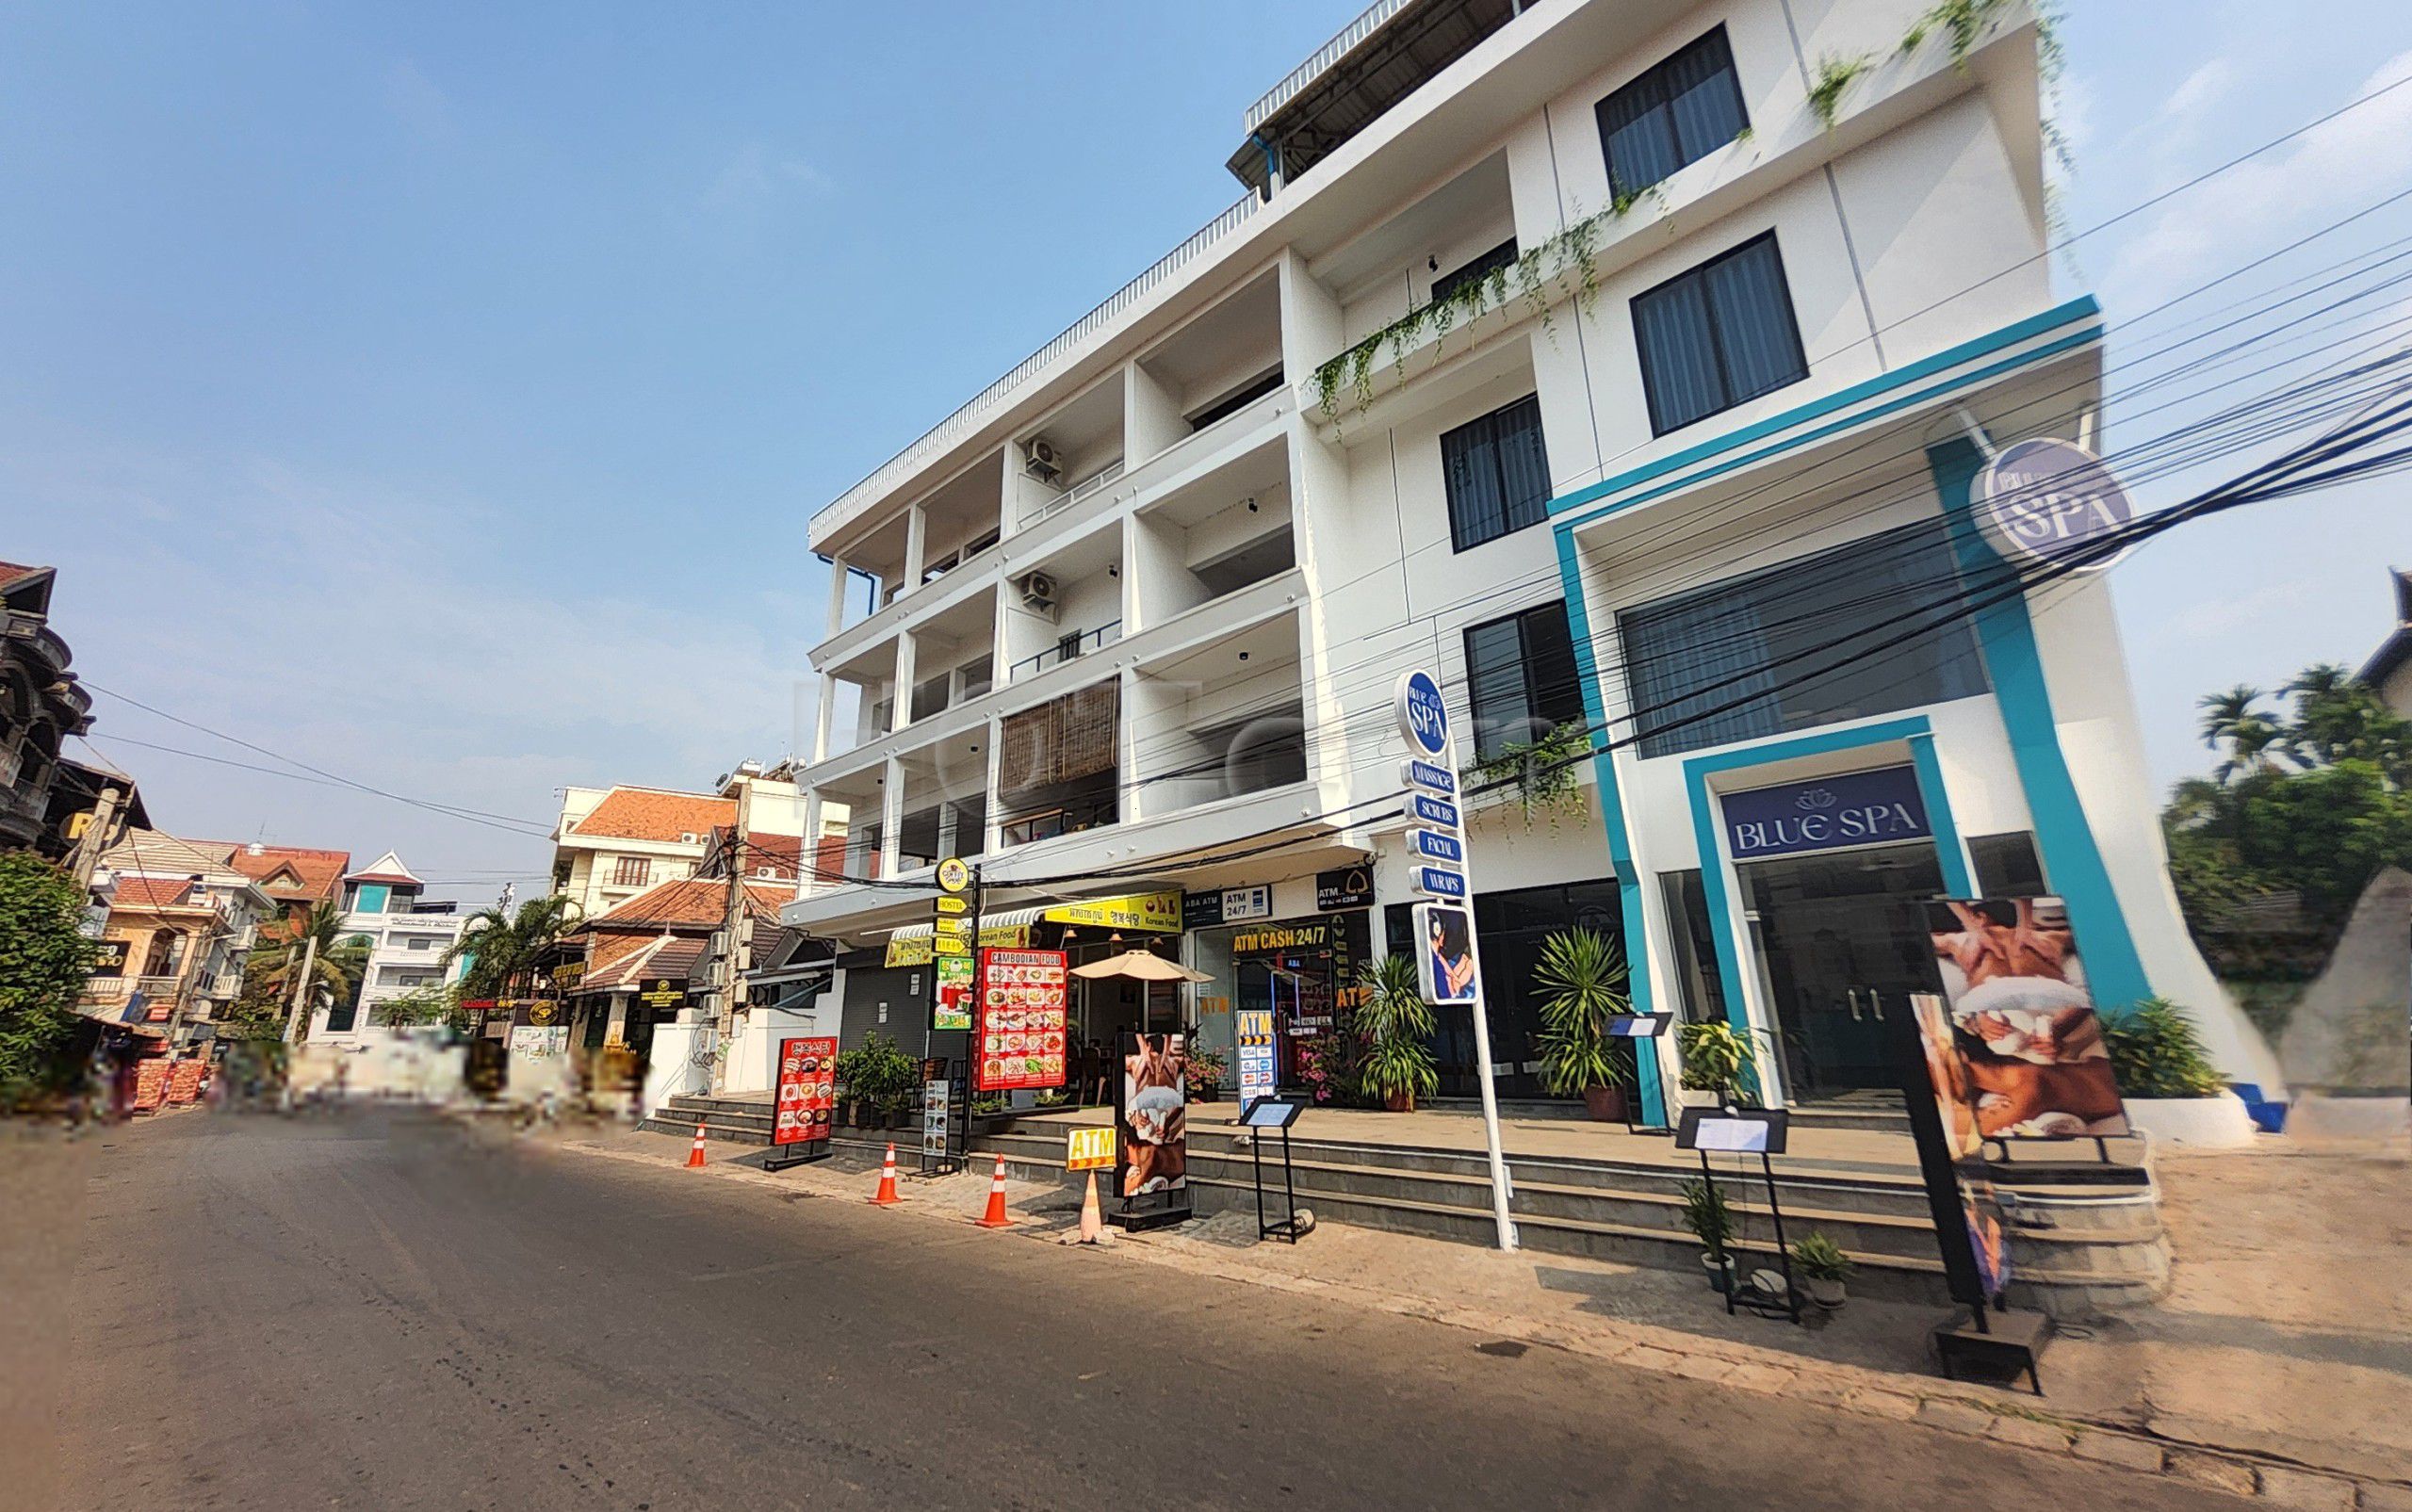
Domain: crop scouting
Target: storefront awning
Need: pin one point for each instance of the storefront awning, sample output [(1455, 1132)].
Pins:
[(1151, 913)]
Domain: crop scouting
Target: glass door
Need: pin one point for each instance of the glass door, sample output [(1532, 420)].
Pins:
[(1838, 960)]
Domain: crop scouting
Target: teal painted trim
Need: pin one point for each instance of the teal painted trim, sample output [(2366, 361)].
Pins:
[(1959, 873), (1716, 874), (1651, 1092), (1969, 379), (2084, 307), (2063, 836)]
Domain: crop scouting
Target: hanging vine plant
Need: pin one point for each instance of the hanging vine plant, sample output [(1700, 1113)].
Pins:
[(1559, 269), (1544, 775), (1833, 77)]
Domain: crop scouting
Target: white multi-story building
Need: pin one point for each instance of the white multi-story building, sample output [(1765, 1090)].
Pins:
[(1592, 354), (406, 937)]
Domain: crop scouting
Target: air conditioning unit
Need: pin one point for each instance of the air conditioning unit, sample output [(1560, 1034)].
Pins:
[(1038, 592), (1040, 459)]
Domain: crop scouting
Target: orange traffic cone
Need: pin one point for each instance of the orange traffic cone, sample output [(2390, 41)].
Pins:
[(886, 1197), (696, 1151), (995, 1218), (1092, 1220)]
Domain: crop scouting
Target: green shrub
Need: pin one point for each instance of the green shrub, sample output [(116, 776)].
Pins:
[(2156, 1053), (43, 962), (1820, 1259), (1707, 1215)]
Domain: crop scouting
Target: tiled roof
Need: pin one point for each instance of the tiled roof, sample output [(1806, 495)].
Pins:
[(654, 813), (152, 892), (12, 572), (386, 868), (692, 904), (660, 957), (318, 871)]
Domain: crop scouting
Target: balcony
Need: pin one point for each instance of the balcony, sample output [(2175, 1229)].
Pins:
[(1058, 765), (1217, 533), (1063, 605), (1222, 719)]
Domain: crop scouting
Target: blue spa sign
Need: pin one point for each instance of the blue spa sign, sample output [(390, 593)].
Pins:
[(1874, 807), (1421, 717), (2045, 502)]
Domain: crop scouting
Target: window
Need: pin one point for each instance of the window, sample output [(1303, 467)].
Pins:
[(929, 695), (1520, 678), (2007, 865), (421, 942), (1717, 335), (632, 872), (1677, 113), (1496, 474), (1806, 644), (975, 678), (1695, 942), (1240, 398), (1503, 255)]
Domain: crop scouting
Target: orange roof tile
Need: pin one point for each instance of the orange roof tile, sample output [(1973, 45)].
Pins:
[(653, 814), (318, 873), (151, 892), (690, 903)]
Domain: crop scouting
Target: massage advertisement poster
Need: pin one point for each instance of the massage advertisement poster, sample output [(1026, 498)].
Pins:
[(807, 1089), (1960, 1188), (2035, 1061), (1153, 1110), (1018, 1041)]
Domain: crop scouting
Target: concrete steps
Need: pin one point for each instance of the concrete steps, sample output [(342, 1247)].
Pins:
[(2076, 1250)]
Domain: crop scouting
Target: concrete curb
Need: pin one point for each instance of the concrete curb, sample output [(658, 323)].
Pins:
[(1851, 1388)]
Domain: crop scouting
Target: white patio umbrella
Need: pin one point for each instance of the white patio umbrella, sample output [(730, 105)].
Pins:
[(1139, 966)]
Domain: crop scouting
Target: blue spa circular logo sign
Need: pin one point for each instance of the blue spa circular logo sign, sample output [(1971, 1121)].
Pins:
[(1421, 717), (2045, 500)]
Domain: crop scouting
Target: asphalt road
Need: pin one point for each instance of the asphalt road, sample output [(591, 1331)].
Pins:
[(382, 1311)]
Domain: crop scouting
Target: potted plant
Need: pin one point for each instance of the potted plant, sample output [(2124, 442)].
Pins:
[(2166, 1079), (1583, 973), (1205, 1082), (1824, 1266), (1712, 1222), (1719, 1061), (1396, 1026)]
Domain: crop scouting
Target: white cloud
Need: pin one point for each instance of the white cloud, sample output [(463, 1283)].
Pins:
[(2200, 90), (755, 180), (2337, 166)]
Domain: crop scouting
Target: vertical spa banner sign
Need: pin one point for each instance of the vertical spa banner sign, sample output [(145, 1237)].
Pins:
[(2038, 1066), (1437, 869)]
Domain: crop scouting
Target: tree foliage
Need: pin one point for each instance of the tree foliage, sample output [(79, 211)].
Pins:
[(44, 963), (337, 967), (2312, 795), (504, 950)]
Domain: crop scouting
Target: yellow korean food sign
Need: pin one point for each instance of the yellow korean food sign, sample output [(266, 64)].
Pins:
[(1156, 913)]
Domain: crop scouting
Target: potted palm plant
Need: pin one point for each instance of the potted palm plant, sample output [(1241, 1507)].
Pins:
[(1712, 1222), (1822, 1264), (1719, 1061), (2172, 1090), (1584, 975), (1396, 1024)]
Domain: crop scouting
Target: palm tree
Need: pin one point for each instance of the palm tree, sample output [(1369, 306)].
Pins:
[(2253, 741), (503, 949), (336, 963)]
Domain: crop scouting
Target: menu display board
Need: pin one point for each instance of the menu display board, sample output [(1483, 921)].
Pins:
[(184, 1083), (1019, 1039), (953, 984), (807, 1094)]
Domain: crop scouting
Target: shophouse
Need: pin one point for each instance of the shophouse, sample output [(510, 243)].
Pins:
[(180, 923), (1590, 355)]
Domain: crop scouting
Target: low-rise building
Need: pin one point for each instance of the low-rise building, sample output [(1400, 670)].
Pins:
[(2389, 672), (614, 843), (180, 923)]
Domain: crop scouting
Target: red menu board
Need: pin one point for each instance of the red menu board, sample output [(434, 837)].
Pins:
[(150, 1083), (1020, 1038), (184, 1083), (807, 1089)]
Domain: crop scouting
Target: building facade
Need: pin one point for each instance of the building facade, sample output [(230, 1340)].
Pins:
[(1591, 355), (2389, 672), (40, 705), (180, 923), (612, 844), (402, 936)]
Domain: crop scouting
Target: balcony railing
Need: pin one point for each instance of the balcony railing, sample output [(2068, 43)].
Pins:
[(1072, 644), (1111, 472), (963, 421)]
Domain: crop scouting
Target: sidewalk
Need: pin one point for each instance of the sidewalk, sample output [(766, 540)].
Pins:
[(2279, 1365)]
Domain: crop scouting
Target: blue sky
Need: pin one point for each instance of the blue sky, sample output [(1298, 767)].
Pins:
[(436, 393)]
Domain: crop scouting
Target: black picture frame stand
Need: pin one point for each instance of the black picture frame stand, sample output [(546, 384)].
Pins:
[(1763, 1131), (1263, 1116), (1998, 1341), (1640, 1027)]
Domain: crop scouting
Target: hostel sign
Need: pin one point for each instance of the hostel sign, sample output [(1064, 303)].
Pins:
[(1826, 814)]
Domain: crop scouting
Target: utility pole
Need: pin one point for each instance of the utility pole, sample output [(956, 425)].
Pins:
[(95, 838), (302, 986), (729, 992)]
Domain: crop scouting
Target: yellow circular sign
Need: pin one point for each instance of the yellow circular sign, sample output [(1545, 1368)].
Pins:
[(539, 1013), (954, 874)]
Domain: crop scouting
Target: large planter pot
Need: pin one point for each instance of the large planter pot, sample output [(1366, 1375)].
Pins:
[(2198, 1123), (1606, 1104), (1399, 1102), (1720, 1269), (1826, 1290)]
